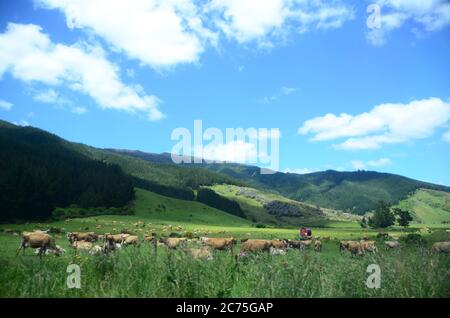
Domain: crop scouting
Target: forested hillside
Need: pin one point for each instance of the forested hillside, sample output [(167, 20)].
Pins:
[(355, 192), (39, 173)]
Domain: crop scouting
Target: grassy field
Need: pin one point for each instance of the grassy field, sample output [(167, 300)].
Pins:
[(137, 272), (428, 206), (251, 201)]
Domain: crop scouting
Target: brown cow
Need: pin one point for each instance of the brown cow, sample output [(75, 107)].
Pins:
[(256, 245), (352, 246), (82, 245), (368, 246), (318, 246), (173, 242), (279, 244), (391, 244), (148, 238), (131, 240), (219, 243), (439, 247), (201, 253), (116, 238), (40, 240), (82, 236)]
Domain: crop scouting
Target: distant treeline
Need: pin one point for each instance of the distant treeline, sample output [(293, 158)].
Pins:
[(74, 211), (168, 191), (211, 198), (40, 172)]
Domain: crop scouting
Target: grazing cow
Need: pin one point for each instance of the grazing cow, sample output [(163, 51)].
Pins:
[(173, 242), (294, 244), (368, 246), (109, 244), (149, 238), (201, 253), (82, 245), (57, 251), (352, 246), (219, 243), (279, 244), (343, 245), (40, 240), (318, 246), (300, 244), (116, 238), (441, 247), (256, 245), (391, 244), (305, 244), (131, 240), (96, 250), (82, 236), (276, 251)]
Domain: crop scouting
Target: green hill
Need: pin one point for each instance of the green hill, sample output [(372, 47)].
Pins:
[(271, 208), (428, 206), (160, 208), (40, 172), (355, 192)]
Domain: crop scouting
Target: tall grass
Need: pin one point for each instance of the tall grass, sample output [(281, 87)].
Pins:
[(136, 272)]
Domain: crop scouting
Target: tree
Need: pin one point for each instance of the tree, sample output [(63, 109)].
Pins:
[(363, 222), (404, 217), (382, 217)]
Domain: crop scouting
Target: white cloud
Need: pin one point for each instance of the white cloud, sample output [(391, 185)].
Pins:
[(5, 105), (268, 99), (446, 136), (384, 124), (158, 33), (21, 123), (130, 73), (79, 110), (251, 20), (29, 55), (299, 170), (233, 151), (428, 15), (240, 68), (50, 96), (361, 165), (358, 165), (284, 90), (288, 90), (164, 33), (382, 162)]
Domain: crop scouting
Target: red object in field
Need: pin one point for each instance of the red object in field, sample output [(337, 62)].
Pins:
[(305, 232)]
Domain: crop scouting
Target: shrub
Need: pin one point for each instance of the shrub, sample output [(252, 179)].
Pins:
[(413, 238), (211, 198)]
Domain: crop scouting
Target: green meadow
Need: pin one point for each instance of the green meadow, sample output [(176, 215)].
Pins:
[(411, 271)]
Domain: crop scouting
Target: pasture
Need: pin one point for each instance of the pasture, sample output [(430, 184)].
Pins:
[(410, 271)]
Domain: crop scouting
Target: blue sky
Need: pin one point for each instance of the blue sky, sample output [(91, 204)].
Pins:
[(125, 76)]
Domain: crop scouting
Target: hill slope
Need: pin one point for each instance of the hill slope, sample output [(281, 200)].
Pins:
[(270, 208), (160, 208), (428, 206), (39, 172), (354, 192)]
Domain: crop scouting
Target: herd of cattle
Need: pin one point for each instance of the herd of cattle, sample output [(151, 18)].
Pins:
[(44, 243)]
